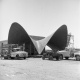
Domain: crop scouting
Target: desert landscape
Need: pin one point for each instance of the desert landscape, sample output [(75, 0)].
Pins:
[(38, 69)]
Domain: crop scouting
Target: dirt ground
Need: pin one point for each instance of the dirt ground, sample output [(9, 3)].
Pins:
[(38, 69)]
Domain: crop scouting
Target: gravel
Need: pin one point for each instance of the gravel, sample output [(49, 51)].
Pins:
[(38, 69)]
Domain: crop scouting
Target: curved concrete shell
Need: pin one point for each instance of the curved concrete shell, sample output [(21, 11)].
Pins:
[(35, 45), (59, 38), (17, 35), (56, 40)]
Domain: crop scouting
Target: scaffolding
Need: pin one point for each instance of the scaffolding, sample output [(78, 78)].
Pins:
[(70, 40)]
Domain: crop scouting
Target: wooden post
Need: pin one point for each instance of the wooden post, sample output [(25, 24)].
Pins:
[(23, 46)]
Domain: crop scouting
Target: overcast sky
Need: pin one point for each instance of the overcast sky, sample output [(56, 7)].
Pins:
[(40, 17)]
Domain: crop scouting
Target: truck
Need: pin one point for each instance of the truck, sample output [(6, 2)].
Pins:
[(12, 51), (70, 53), (67, 53), (51, 54), (18, 53), (59, 55)]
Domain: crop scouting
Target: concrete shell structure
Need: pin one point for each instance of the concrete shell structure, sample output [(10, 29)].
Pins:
[(36, 44)]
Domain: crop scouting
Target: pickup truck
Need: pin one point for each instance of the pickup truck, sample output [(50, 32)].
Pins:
[(67, 53), (70, 53), (16, 53)]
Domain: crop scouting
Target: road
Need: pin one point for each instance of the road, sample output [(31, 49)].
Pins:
[(38, 69)]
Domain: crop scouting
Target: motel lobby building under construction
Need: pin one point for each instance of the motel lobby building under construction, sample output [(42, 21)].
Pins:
[(36, 44)]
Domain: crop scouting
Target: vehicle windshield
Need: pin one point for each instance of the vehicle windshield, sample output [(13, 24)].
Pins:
[(16, 49)]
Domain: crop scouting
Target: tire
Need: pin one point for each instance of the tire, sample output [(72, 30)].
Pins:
[(43, 58), (17, 56), (24, 57), (61, 57), (12, 57), (50, 58), (77, 58), (5, 57), (57, 58), (66, 58)]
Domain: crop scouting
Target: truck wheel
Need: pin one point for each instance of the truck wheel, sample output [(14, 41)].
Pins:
[(43, 57), (61, 57), (77, 58), (12, 57), (50, 58), (17, 56), (5, 57), (66, 58), (57, 58), (24, 57)]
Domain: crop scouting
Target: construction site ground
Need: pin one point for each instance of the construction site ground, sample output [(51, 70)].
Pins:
[(38, 69)]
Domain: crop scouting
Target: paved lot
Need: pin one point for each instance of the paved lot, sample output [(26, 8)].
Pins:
[(38, 69)]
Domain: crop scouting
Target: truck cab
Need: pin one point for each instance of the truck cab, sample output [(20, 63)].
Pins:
[(67, 53)]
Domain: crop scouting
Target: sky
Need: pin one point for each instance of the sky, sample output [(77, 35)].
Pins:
[(41, 17)]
